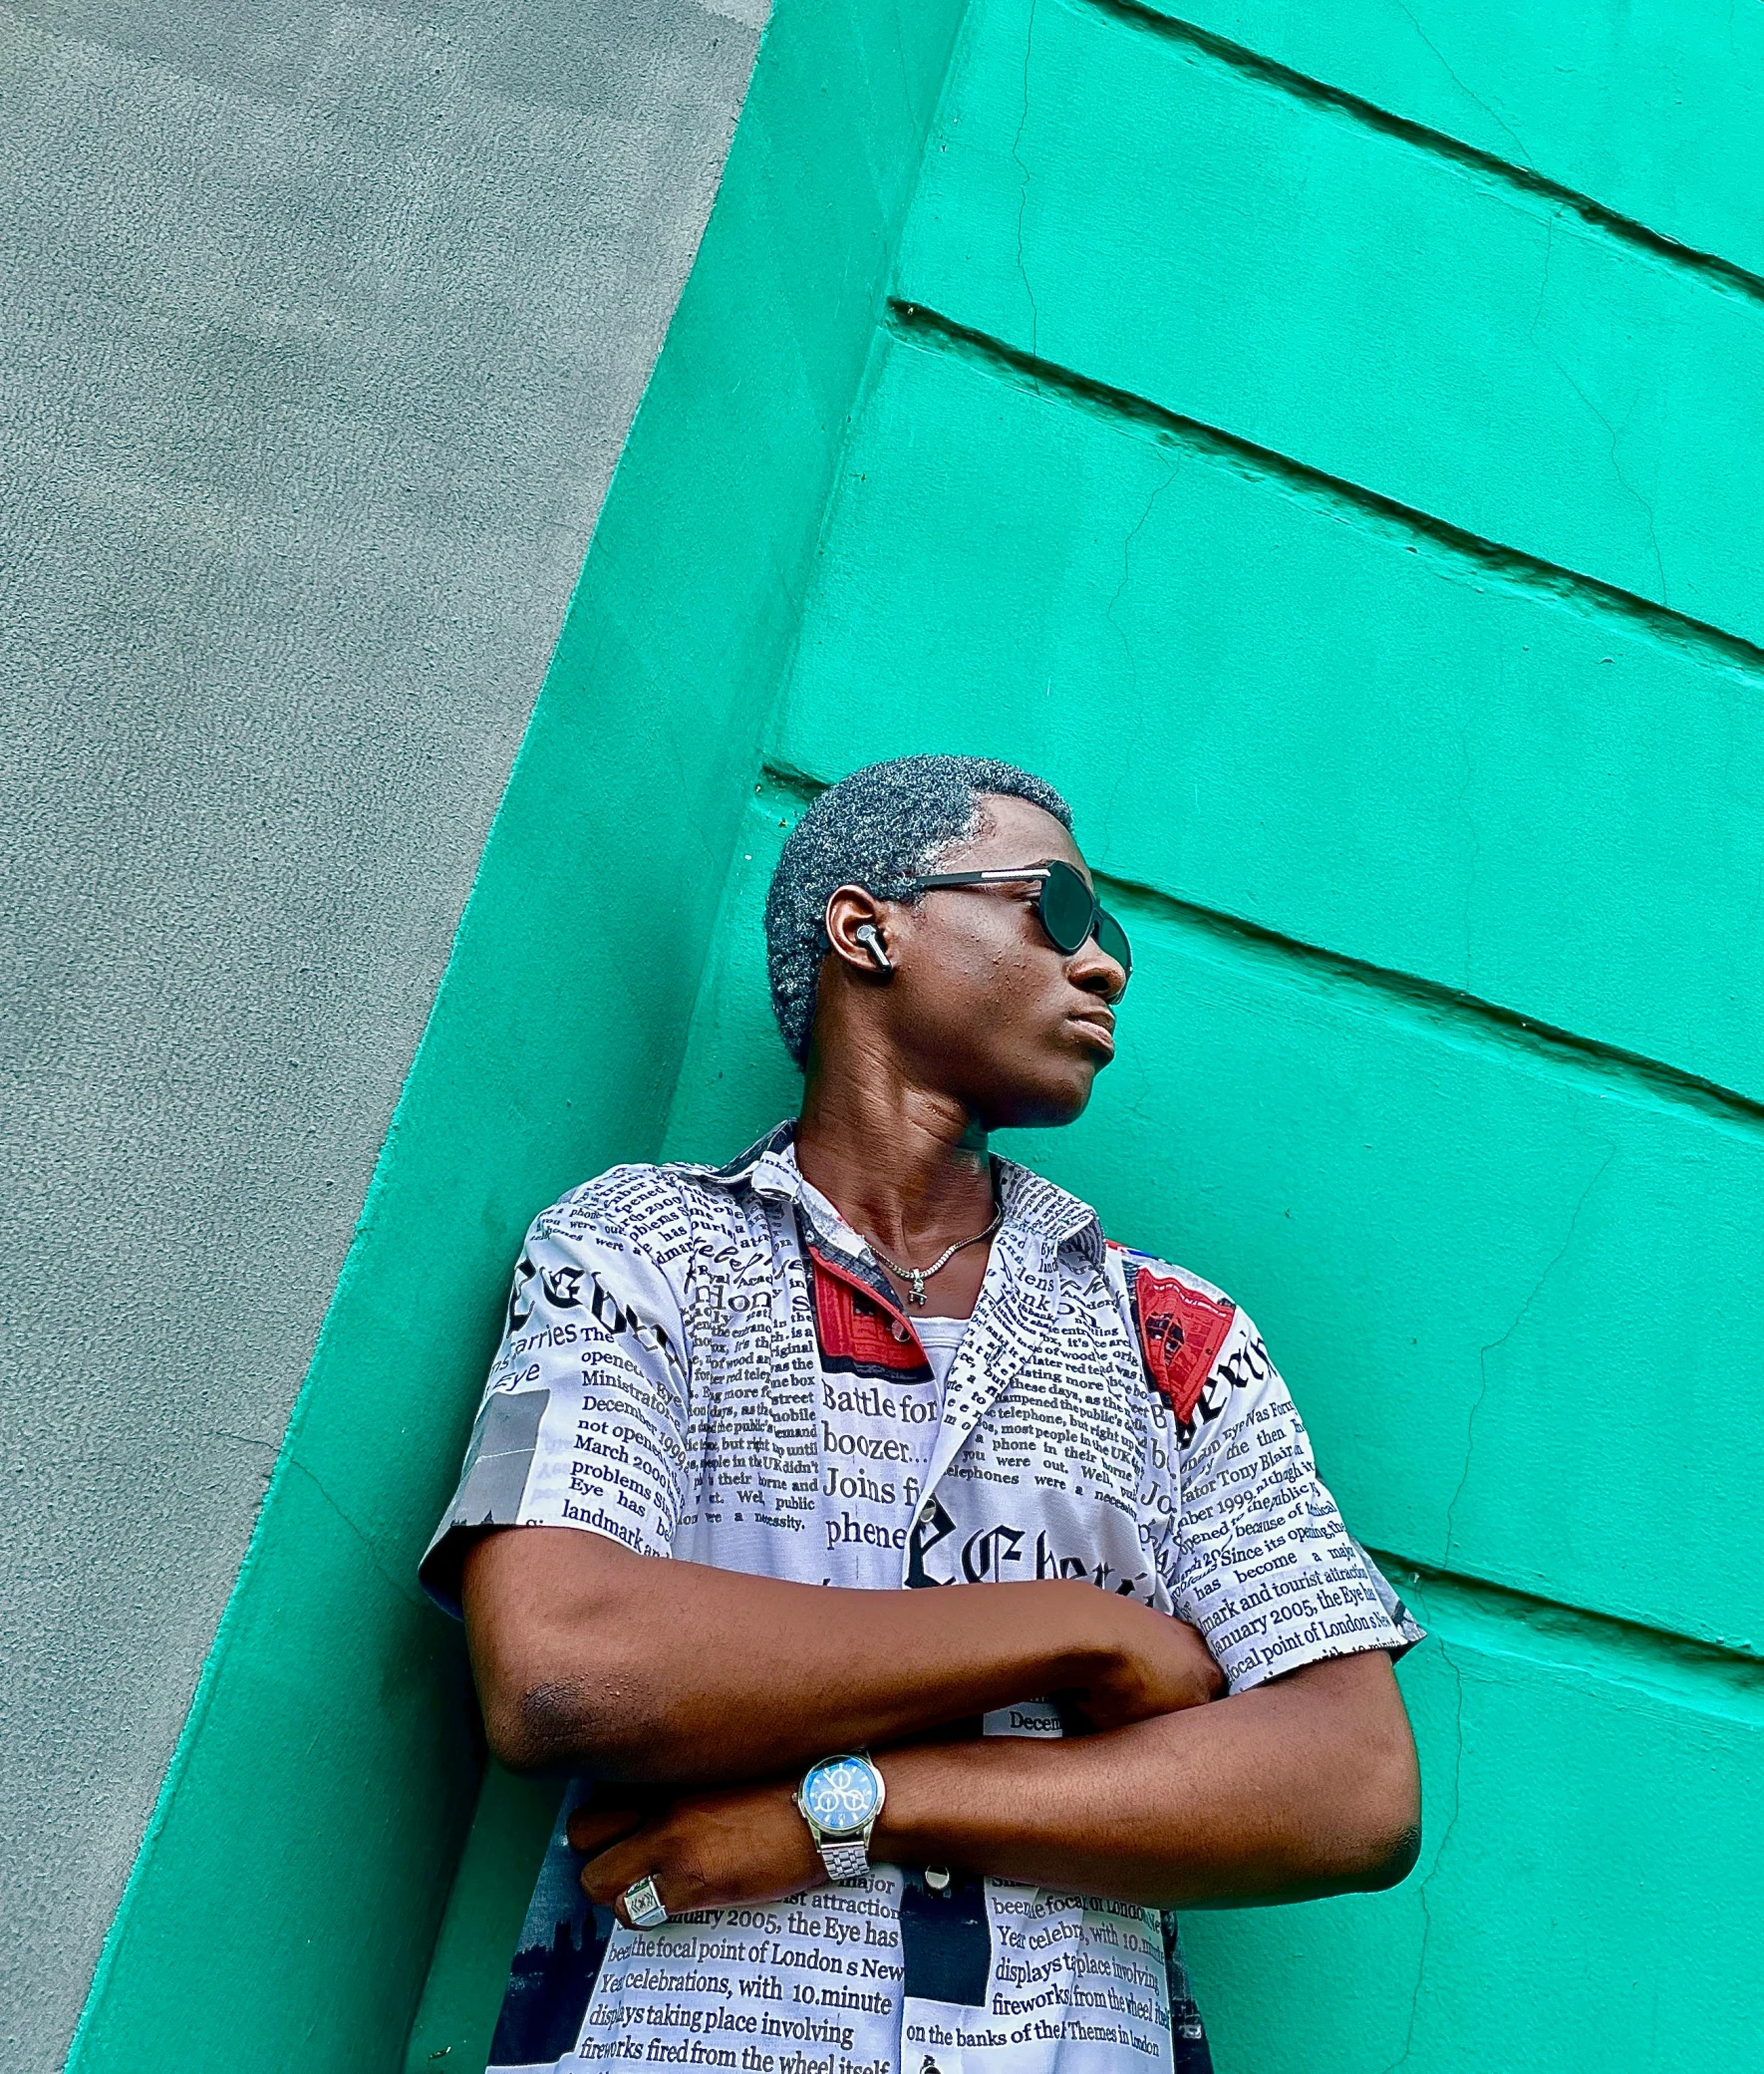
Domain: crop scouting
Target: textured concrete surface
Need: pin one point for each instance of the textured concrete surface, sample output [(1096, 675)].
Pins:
[(320, 333)]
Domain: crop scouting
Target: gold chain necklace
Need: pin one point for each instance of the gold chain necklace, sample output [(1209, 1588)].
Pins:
[(918, 1276)]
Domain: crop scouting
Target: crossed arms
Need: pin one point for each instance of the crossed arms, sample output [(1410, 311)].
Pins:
[(704, 1693)]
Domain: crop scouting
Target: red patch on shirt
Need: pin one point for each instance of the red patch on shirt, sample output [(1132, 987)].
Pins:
[(860, 1335), (1180, 1334)]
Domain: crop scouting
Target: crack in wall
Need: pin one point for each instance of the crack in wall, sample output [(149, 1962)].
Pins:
[(1422, 1893), (1171, 469), (1623, 483), (1029, 52), (1612, 432), (1476, 100), (1725, 276), (281, 1463), (1494, 1345), (1463, 802)]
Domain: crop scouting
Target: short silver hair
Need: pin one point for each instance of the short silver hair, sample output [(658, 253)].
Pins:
[(879, 827)]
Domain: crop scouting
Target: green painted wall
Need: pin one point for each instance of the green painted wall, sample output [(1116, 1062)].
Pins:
[(1327, 446)]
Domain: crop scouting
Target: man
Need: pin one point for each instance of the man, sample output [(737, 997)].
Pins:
[(867, 1830)]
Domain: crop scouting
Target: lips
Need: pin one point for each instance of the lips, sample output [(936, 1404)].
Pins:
[(1097, 1031)]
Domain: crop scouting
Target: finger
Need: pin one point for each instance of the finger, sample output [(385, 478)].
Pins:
[(592, 1828), (606, 1877)]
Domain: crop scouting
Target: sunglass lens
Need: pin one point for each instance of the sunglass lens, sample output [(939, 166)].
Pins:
[(1066, 907), (1111, 940)]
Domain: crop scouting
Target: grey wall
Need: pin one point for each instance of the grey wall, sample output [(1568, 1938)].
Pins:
[(320, 330)]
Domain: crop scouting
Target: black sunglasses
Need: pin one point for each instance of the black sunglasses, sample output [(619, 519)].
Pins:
[(1070, 913)]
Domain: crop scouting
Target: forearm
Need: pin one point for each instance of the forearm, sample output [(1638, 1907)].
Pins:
[(1304, 1787), (650, 1669)]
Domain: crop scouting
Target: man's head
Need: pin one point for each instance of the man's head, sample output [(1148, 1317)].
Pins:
[(976, 1001)]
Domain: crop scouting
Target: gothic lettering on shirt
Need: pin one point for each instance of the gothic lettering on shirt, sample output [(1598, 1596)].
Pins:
[(693, 1369)]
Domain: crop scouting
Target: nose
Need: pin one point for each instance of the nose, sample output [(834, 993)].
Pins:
[(1091, 968)]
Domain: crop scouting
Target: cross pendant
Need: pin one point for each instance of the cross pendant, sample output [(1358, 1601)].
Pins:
[(918, 1288)]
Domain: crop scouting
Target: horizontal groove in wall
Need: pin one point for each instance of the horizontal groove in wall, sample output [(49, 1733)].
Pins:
[(1726, 1678), (1441, 1012), (1721, 274), (1492, 561)]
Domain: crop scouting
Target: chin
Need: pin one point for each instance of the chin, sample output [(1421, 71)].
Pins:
[(1048, 1101)]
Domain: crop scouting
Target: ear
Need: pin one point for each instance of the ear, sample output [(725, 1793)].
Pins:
[(849, 908)]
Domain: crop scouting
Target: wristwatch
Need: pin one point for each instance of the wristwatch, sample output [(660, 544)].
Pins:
[(840, 1799)]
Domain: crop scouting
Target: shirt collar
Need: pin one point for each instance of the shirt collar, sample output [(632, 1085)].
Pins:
[(768, 1168)]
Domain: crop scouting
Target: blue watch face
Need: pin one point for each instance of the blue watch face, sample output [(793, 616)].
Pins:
[(841, 1796)]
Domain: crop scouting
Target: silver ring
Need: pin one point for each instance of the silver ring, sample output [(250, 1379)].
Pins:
[(643, 1906)]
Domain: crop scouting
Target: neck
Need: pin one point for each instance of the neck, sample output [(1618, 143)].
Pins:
[(904, 1164)]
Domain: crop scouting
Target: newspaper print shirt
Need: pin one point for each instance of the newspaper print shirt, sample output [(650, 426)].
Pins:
[(707, 1364)]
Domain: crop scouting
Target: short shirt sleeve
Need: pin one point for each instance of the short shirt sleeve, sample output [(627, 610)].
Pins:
[(583, 1419), (1262, 1562)]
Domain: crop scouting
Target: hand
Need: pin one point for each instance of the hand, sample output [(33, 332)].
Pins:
[(1151, 1665), (703, 1851)]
